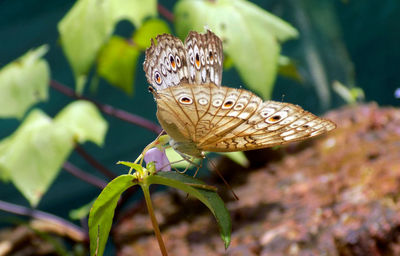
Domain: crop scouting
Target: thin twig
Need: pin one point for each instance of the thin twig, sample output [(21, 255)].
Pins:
[(166, 13), (110, 110), (77, 172), (25, 211), (93, 162)]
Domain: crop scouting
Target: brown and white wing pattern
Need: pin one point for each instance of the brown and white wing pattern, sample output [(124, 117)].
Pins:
[(165, 64), (205, 57), (272, 123), (198, 61), (221, 119)]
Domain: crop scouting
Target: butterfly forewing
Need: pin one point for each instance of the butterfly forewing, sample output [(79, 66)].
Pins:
[(165, 63), (204, 58)]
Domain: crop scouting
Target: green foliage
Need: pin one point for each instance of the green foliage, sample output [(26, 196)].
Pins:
[(208, 197), (85, 122), (350, 95), (89, 24), (23, 83), (117, 63), (32, 156), (102, 212), (81, 212), (238, 157), (241, 25), (150, 29), (118, 58), (288, 68)]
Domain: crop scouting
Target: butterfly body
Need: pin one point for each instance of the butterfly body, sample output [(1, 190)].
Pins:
[(201, 115)]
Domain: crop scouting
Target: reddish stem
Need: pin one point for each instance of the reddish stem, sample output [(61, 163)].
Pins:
[(166, 13), (112, 111)]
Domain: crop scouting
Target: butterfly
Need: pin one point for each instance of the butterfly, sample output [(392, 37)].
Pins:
[(201, 115)]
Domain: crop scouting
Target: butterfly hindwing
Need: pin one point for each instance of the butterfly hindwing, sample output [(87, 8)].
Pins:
[(223, 119), (273, 123)]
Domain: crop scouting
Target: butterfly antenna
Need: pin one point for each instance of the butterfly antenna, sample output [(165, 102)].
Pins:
[(222, 178)]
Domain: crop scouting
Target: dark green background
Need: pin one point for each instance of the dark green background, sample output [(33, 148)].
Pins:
[(368, 31)]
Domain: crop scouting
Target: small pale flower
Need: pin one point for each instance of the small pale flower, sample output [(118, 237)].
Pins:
[(159, 158)]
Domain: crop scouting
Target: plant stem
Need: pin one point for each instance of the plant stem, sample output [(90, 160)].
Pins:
[(77, 172), (110, 110), (166, 13), (73, 231), (145, 188), (93, 162)]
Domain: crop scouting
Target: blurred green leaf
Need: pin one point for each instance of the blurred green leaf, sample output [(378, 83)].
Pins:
[(228, 62), (150, 29), (34, 153), (238, 157), (208, 197), (350, 95), (82, 211), (102, 212), (84, 121), (117, 63), (88, 25), (23, 83), (288, 68), (250, 34)]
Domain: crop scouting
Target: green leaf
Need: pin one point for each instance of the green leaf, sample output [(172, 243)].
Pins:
[(136, 167), (208, 197), (82, 211), (34, 153), (88, 25), (349, 94), (117, 63), (4, 144), (102, 212), (84, 120), (238, 157), (150, 29), (23, 83), (250, 35), (288, 68)]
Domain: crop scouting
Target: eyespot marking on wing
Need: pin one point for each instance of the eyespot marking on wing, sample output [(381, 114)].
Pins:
[(203, 101), (186, 100), (157, 77), (228, 104), (172, 61)]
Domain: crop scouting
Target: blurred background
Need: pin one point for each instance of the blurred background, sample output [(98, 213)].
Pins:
[(354, 42)]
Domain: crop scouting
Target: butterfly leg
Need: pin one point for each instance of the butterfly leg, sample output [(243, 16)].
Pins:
[(190, 161)]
